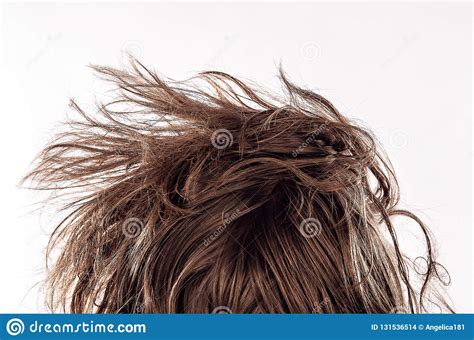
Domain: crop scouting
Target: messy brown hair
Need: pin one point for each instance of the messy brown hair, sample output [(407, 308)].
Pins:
[(213, 195)]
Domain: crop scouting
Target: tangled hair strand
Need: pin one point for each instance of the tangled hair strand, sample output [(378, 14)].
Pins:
[(182, 196)]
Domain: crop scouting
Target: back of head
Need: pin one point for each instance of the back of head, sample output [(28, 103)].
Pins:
[(210, 195)]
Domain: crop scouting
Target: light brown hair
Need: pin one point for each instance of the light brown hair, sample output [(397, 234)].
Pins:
[(211, 195)]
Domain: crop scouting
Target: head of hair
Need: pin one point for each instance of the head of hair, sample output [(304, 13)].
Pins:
[(207, 194)]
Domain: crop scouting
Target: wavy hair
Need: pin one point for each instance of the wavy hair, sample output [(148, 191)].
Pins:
[(211, 195)]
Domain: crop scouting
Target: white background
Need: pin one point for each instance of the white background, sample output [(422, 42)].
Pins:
[(403, 69)]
